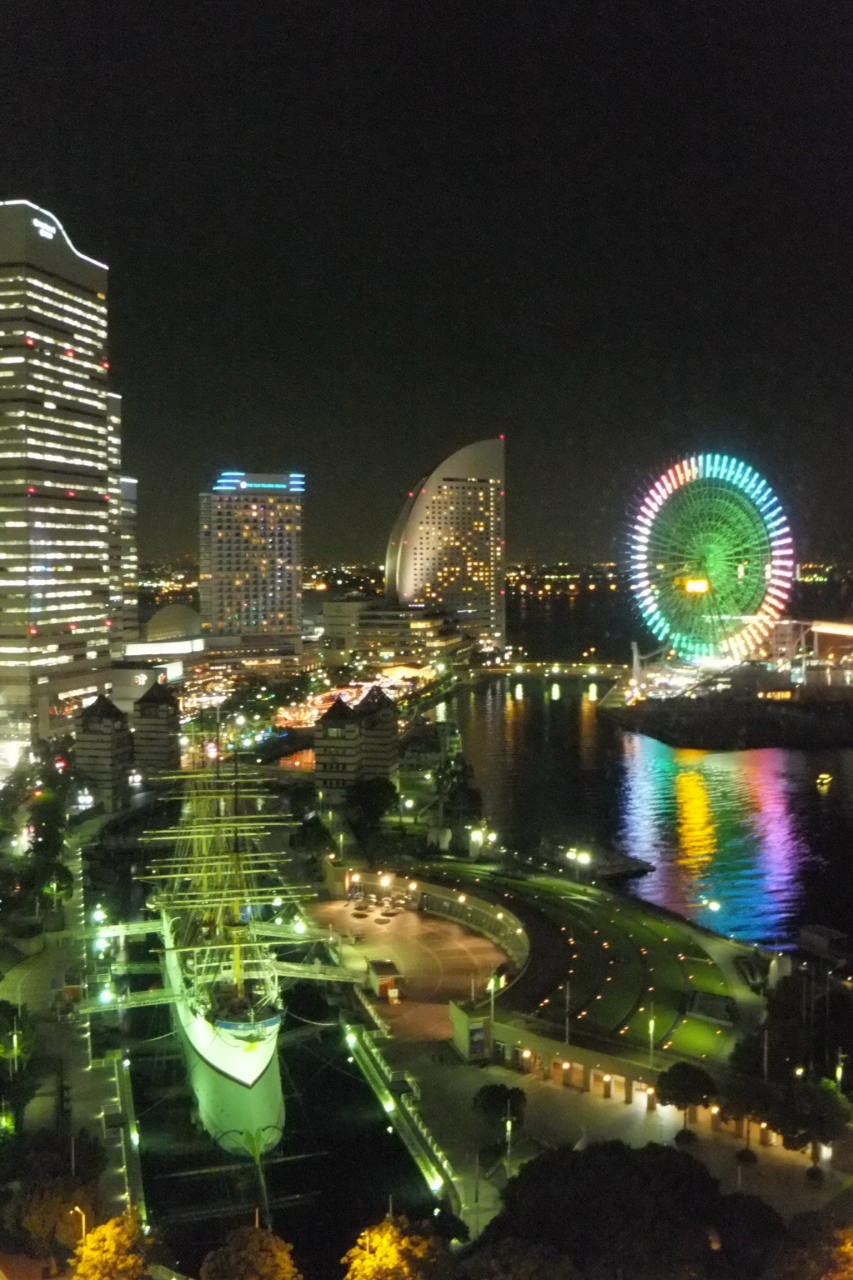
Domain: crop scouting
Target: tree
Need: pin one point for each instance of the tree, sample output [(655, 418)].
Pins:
[(367, 802), (783, 1041), (111, 1252), (394, 1251), (313, 836), (749, 1232), (747, 1099), (517, 1260), (251, 1254), (496, 1102), (649, 1212), (809, 1111), (17, 1037), (46, 1212), (813, 1252), (683, 1086)]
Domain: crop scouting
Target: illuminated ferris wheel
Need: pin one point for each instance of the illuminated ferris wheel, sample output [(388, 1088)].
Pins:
[(711, 558)]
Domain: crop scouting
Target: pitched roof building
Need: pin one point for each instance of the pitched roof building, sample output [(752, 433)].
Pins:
[(354, 743)]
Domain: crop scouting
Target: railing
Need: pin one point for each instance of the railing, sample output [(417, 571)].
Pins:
[(498, 925), (398, 1098)]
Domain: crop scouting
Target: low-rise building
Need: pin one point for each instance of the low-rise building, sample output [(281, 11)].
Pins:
[(103, 750), (376, 716), (355, 743), (157, 731), (374, 629)]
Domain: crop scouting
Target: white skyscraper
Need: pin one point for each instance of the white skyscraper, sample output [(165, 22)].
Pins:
[(250, 543), (59, 466), (446, 549)]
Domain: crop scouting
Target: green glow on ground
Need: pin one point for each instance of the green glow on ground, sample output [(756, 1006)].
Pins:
[(621, 949)]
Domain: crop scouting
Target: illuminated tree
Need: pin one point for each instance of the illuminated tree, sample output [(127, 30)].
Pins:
[(251, 1254), (394, 1251), (111, 1252), (17, 1037), (814, 1253)]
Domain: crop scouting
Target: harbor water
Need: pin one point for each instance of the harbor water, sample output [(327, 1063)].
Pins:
[(750, 843)]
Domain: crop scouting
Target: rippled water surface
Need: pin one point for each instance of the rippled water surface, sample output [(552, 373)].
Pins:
[(747, 830)]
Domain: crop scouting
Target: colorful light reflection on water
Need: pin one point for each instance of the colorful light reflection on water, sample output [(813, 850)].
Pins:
[(748, 831), (718, 828)]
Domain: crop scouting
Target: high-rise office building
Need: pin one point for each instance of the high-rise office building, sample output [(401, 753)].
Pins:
[(446, 549), (129, 560), (250, 579), (124, 569), (59, 458)]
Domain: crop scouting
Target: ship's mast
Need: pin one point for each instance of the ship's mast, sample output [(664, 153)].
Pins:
[(210, 888)]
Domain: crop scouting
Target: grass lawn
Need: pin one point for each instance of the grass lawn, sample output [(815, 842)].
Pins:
[(626, 965)]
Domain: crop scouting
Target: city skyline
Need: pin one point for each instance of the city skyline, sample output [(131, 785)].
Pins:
[(617, 239)]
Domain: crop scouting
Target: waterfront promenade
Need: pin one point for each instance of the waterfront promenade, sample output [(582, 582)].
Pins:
[(440, 960)]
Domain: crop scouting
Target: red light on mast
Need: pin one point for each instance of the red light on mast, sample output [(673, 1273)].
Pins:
[(31, 342)]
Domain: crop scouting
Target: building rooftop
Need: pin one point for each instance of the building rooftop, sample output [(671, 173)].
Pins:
[(158, 695), (173, 622), (101, 709), (339, 712), (374, 700)]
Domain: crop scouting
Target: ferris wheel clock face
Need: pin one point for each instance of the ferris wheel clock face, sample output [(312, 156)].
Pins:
[(711, 558)]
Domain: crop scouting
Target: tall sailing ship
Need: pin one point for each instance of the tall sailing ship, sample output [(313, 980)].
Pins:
[(214, 892)]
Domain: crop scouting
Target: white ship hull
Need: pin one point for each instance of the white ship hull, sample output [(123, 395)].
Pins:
[(233, 1069)]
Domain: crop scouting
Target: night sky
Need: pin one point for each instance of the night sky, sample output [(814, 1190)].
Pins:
[(351, 237)]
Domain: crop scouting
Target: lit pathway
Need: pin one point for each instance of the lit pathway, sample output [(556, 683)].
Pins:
[(94, 1090)]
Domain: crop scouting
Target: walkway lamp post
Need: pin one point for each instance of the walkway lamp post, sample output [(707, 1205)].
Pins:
[(652, 1037), (508, 1135), (568, 998), (77, 1209)]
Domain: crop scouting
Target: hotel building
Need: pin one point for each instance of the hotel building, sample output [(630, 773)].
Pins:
[(446, 549), (250, 542), (60, 448)]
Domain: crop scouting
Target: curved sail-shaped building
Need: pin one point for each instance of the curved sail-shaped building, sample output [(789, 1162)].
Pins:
[(446, 549)]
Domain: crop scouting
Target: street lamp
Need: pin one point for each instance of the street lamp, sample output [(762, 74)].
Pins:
[(77, 1209)]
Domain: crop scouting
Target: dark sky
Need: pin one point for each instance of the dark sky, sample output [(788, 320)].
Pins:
[(350, 237)]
